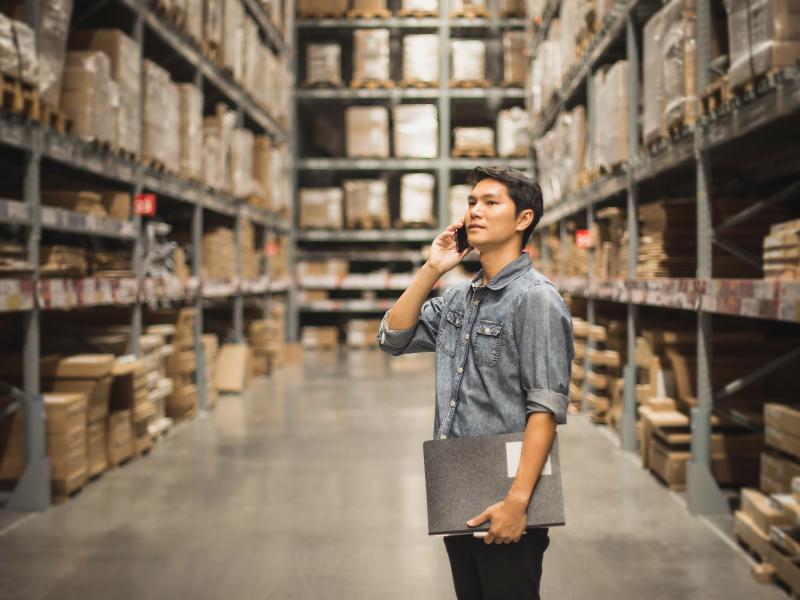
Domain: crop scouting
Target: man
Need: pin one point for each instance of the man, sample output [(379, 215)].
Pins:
[(503, 346)]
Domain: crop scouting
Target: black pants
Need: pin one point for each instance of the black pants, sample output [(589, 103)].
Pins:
[(497, 571)]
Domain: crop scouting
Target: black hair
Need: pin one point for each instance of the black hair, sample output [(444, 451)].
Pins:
[(524, 191)]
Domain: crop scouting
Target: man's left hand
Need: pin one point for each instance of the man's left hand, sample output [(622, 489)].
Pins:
[(507, 522)]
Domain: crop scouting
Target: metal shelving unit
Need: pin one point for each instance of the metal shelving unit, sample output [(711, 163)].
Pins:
[(695, 152), (446, 168), (31, 295)]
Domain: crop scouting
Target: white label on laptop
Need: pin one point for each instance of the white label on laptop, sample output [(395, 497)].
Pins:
[(513, 452)]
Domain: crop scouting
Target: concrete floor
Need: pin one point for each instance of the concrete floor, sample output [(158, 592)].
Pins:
[(311, 487)]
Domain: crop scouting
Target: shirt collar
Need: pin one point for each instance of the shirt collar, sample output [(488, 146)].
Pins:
[(507, 274)]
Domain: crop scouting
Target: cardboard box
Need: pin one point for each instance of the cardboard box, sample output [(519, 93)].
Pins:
[(120, 437), (79, 366), (233, 368), (783, 418), (515, 58), (96, 448), (90, 98), (191, 131), (763, 512), (320, 338), (416, 131), (367, 131), (182, 403), (778, 471), (97, 392), (366, 204), (321, 208)]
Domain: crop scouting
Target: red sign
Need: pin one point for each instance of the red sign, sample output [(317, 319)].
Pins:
[(145, 205), (583, 239), (271, 249)]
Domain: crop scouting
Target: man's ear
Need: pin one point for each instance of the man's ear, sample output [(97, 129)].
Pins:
[(524, 219)]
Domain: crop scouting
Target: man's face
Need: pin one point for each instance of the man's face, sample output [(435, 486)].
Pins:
[(491, 218)]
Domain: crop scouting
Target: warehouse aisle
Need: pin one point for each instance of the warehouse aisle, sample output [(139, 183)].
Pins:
[(311, 487)]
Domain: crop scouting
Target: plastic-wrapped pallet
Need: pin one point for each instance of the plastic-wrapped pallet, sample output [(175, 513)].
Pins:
[(213, 171), (367, 131), (123, 53), (425, 7), (371, 55), (242, 144), (281, 165), (569, 21), (653, 84), (515, 57), (219, 254), (232, 28), (461, 7), (764, 35), (191, 131), (416, 198), (416, 131), (87, 96), (321, 208), (678, 59), (512, 132), (250, 58), (18, 56), (366, 204), (324, 64), (269, 70), (373, 8), (457, 199), (473, 141), (154, 121), (51, 39), (555, 67), (419, 58), (468, 61), (576, 143), (262, 155), (609, 140)]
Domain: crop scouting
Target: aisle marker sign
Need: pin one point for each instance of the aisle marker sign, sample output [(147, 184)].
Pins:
[(583, 239), (145, 205)]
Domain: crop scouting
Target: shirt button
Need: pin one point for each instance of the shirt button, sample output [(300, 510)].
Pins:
[(466, 337), (442, 437), (452, 402), (476, 302), (459, 370)]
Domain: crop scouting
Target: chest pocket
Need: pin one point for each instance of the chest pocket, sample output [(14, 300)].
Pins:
[(450, 331), (486, 342)]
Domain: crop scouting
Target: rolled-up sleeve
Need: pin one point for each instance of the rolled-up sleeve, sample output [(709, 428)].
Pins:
[(543, 333), (420, 338)]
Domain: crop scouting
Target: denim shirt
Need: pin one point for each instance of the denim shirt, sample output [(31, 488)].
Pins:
[(503, 351)]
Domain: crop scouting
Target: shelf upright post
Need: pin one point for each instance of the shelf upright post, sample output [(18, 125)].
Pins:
[(32, 491), (197, 272), (704, 496), (628, 439), (293, 306), (238, 299), (444, 174), (264, 270), (137, 188), (591, 309)]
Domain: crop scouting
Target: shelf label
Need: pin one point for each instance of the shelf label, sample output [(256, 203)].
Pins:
[(583, 239), (145, 205)]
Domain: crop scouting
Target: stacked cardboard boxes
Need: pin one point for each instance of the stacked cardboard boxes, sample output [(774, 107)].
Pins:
[(468, 63), (610, 242), (219, 254), (371, 58), (156, 350), (320, 338), (181, 367), (416, 130), (361, 333), (780, 463), (366, 204), (604, 374), (473, 141), (324, 64), (580, 334), (191, 131), (90, 98), (161, 115), (515, 58), (210, 354), (321, 208), (130, 393), (416, 199), (419, 66), (90, 375), (367, 131)]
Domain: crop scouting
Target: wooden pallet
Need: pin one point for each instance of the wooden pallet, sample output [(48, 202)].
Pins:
[(323, 85), (417, 14), (758, 85), (681, 126), (55, 119), (118, 463), (379, 13), (370, 222), (418, 84), (716, 95), (372, 84), (475, 12), (484, 152), (19, 98), (155, 164), (59, 498), (469, 83), (320, 14)]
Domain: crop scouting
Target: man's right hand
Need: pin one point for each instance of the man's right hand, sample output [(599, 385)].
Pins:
[(444, 254)]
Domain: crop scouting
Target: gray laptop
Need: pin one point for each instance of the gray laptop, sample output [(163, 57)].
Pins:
[(464, 476)]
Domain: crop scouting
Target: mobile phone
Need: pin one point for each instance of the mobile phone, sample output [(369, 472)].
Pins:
[(461, 239)]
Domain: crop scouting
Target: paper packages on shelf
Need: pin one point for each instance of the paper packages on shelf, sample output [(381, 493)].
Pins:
[(321, 208), (420, 64), (610, 242), (213, 158), (466, 6), (476, 140), (781, 251), (468, 61), (416, 199), (241, 161), (262, 172), (608, 140), (90, 203), (569, 21), (416, 131), (367, 130), (512, 132), (653, 126), (324, 64), (515, 58), (371, 55), (678, 51), (193, 20), (51, 39), (212, 24), (321, 8), (366, 204), (560, 155), (368, 6), (545, 77), (457, 199), (232, 31), (251, 259), (18, 58), (764, 35), (251, 42), (191, 131), (161, 110), (89, 97), (219, 254)]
